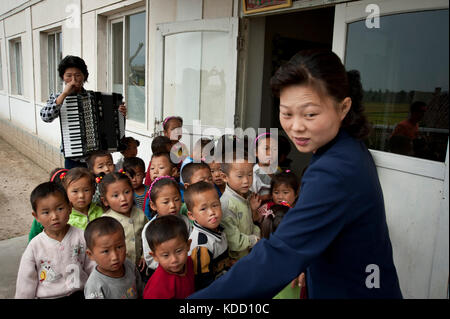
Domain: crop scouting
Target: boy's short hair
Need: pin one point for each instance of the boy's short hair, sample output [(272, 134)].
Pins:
[(45, 189), (93, 156), (190, 168), (165, 154), (101, 226), (130, 163), (194, 189), (165, 228), (238, 157), (159, 144), (76, 173)]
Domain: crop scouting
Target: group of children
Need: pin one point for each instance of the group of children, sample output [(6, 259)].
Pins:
[(121, 231)]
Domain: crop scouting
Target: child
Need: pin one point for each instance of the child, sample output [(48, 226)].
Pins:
[(115, 277), (196, 156), (54, 264), (73, 71), (172, 128), (160, 165), (217, 176), (80, 185), (267, 154), (128, 148), (194, 173), (57, 176), (169, 242), (284, 188), (160, 144), (238, 207), (271, 219), (134, 167), (100, 163), (164, 199), (209, 249), (116, 194)]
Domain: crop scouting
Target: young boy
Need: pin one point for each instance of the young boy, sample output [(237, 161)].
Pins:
[(169, 241), (209, 248), (194, 173), (115, 277), (100, 163), (54, 264), (238, 207), (128, 147), (134, 167)]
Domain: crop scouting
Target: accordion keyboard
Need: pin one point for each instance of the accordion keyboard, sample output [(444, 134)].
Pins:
[(70, 118)]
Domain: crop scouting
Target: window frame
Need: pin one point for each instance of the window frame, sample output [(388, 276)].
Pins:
[(16, 82), (2, 83), (355, 11), (132, 126)]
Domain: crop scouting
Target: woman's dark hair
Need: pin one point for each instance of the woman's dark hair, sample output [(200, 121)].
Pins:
[(112, 178), (130, 163), (270, 222), (285, 178), (323, 70), (72, 61)]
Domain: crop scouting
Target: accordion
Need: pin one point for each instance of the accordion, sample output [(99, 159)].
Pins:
[(90, 121)]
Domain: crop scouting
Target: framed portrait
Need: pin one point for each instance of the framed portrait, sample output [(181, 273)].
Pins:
[(255, 6)]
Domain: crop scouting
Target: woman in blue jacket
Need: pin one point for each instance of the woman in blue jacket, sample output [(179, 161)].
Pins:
[(337, 231)]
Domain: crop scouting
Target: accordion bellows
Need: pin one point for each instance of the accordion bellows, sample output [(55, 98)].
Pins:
[(91, 121)]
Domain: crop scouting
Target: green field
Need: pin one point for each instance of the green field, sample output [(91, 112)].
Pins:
[(386, 113)]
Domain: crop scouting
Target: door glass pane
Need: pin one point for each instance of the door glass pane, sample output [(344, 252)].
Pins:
[(117, 57), (1, 68), (195, 66), (399, 67), (136, 67)]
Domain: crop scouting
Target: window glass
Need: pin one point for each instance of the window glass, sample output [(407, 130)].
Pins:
[(117, 57), (1, 68), (16, 67), (135, 67), (54, 51), (405, 78)]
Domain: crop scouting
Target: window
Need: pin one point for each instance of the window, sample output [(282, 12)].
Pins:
[(128, 62), (1, 68), (398, 68), (15, 49), (54, 50)]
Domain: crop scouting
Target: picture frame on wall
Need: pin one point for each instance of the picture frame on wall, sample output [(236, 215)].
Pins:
[(255, 6)]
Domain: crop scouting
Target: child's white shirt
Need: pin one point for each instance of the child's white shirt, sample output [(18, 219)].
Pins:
[(53, 269)]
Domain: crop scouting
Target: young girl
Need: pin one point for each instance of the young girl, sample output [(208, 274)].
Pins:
[(164, 199), (57, 176), (73, 71), (271, 219), (266, 148), (80, 187), (128, 147), (160, 165), (134, 167), (172, 128), (160, 144), (284, 189), (116, 193)]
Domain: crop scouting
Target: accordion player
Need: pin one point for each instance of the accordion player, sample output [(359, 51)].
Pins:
[(90, 121)]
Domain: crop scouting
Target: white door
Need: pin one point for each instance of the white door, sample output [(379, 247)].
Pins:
[(195, 75), (401, 50)]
